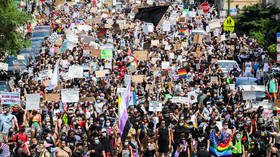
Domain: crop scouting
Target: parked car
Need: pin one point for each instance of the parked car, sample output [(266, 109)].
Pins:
[(251, 87), (228, 65)]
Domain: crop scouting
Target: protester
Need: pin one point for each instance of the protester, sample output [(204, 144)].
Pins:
[(109, 84)]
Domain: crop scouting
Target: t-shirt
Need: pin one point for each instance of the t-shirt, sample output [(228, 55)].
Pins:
[(5, 122)]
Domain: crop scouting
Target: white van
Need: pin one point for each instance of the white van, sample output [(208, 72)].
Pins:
[(227, 65)]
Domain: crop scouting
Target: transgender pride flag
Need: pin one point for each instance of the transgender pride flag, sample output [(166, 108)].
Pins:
[(123, 101)]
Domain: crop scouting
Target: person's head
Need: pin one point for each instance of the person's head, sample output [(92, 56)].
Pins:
[(181, 123), (225, 125)]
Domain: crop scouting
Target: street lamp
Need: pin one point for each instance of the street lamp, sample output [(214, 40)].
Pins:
[(228, 7)]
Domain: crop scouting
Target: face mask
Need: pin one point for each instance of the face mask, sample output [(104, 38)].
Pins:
[(190, 126), (104, 134), (182, 118), (238, 136), (107, 124), (181, 124), (126, 143), (96, 141), (225, 127), (248, 121), (102, 119)]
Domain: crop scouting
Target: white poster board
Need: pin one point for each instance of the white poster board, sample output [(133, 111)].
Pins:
[(75, 71), (3, 66), (70, 95), (32, 101), (178, 99), (165, 65), (155, 106)]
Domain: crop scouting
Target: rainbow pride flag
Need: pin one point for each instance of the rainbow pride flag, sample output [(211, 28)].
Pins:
[(181, 31), (182, 73), (220, 149)]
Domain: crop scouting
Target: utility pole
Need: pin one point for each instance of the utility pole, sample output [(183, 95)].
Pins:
[(228, 7)]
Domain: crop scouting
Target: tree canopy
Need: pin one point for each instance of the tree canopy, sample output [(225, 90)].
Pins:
[(259, 22), (11, 18)]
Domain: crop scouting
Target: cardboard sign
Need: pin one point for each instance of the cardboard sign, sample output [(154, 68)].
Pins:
[(87, 99), (155, 106), (94, 52), (137, 78), (32, 101), (101, 73), (141, 55), (70, 95), (75, 71), (154, 42), (3, 66), (9, 98), (52, 97)]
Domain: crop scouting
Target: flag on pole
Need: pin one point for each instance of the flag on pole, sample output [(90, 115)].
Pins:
[(151, 14)]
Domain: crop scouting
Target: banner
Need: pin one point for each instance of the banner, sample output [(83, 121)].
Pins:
[(155, 106), (9, 98), (177, 99), (75, 71), (32, 102), (70, 95), (151, 14)]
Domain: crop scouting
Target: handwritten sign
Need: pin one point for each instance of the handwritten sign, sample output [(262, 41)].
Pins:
[(101, 73), (137, 78), (165, 65), (177, 99), (70, 95), (87, 99), (154, 42), (9, 98), (94, 52), (75, 71), (3, 66), (106, 54), (52, 97), (141, 55), (32, 101), (155, 106)]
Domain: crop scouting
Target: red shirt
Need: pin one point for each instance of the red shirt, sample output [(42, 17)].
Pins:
[(21, 136)]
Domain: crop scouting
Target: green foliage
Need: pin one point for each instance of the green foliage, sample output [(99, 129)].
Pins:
[(11, 40), (258, 21), (272, 49)]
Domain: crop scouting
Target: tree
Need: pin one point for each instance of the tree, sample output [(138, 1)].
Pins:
[(259, 22), (11, 18)]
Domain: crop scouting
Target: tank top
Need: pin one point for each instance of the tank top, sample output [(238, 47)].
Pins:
[(272, 86), (238, 146)]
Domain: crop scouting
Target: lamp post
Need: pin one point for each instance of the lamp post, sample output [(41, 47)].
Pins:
[(228, 7)]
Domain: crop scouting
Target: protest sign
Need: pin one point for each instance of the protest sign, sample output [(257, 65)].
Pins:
[(106, 54), (32, 101), (214, 24), (70, 95), (53, 37), (154, 42), (167, 47), (75, 71), (155, 106), (178, 99), (141, 55), (137, 78), (87, 99), (3, 66), (165, 65), (52, 97), (94, 52), (101, 73), (10, 98)]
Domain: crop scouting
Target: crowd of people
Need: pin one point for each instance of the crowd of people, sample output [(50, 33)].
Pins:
[(90, 127)]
